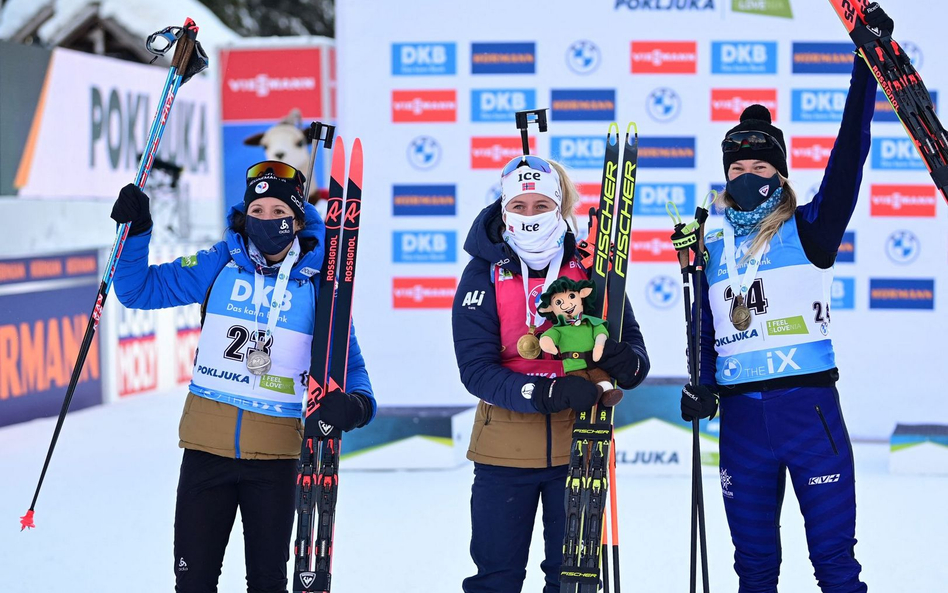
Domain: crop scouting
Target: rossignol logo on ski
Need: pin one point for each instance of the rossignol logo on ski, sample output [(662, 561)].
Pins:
[(307, 578), (325, 428), (824, 480)]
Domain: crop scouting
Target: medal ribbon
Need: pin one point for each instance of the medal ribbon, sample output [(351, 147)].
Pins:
[(739, 286), (552, 273), (276, 300)]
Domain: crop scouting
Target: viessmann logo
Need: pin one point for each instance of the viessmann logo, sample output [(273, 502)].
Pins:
[(902, 200), (651, 246), (810, 152), (424, 106), (423, 293), (262, 85), (728, 104), (494, 152), (664, 57)]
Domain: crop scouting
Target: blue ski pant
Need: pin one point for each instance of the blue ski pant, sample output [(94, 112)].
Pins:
[(504, 504), (765, 436)]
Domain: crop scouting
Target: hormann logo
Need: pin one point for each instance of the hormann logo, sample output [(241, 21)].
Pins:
[(578, 152), (424, 106), (810, 152), (847, 248), (822, 58), (423, 293), (493, 152), (583, 104), (664, 57), (499, 105), (818, 105), (424, 200), (902, 200), (744, 57), (728, 104), (667, 152), (423, 59), (262, 85), (899, 293), (503, 58)]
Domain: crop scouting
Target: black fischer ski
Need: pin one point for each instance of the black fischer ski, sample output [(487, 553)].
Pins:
[(587, 482), (903, 87), (318, 479)]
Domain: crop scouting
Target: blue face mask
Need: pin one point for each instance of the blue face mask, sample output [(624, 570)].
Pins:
[(751, 190), (745, 223), (270, 236)]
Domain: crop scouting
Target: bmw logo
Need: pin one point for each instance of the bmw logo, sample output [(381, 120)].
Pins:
[(424, 152), (662, 292), (583, 57), (902, 247), (732, 369), (914, 53), (663, 104)]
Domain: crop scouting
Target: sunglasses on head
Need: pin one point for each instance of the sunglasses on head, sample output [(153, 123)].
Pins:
[(533, 162), (277, 169), (752, 139)]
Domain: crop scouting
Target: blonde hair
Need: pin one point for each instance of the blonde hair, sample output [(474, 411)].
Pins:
[(770, 225), (570, 194)]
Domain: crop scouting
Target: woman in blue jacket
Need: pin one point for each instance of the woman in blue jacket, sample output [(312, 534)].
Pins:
[(241, 429), (520, 443), (767, 348)]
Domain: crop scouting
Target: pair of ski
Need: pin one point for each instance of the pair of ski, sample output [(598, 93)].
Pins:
[(903, 87), (592, 458), (318, 479)]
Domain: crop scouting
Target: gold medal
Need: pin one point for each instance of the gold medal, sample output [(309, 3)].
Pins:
[(528, 346), (740, 315)]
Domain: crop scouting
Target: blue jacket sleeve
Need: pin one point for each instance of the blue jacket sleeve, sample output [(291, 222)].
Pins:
[(476, 329), (709, 356), (357, 377), (181, 282), (823, 221), (632, 335)]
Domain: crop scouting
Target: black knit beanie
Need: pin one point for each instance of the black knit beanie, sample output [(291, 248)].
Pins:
[(757, 118), (269, 185)]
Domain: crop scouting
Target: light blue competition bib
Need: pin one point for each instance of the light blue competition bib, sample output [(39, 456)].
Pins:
[(789, 302), (220, 369)]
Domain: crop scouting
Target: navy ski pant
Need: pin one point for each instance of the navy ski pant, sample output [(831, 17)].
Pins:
[(763, 437), (210, 490), (503, 511)]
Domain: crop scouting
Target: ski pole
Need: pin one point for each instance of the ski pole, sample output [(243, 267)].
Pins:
[(189, 59), (314, 135)]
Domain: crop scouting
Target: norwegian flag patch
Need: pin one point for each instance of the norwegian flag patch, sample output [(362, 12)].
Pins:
[(529, 186)]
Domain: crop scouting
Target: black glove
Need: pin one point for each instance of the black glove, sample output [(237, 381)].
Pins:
[(698, 402), (344, 411), (555, 395), (621, 362), (876, 17), (132, 206)]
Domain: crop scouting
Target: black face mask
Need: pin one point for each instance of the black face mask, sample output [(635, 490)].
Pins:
[(270, 236), (751, 190)]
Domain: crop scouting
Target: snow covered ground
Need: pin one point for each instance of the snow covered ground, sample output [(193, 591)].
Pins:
[(104, 519)]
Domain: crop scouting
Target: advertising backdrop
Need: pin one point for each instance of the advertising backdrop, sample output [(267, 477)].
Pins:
[(434, 101)]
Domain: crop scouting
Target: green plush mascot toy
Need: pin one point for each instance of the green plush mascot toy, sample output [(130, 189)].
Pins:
[(576, 338)]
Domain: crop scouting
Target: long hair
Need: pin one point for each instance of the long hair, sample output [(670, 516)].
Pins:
[(769, 226), (570, 194), (238, 224)]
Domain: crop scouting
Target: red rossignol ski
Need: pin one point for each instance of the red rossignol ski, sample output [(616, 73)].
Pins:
[(318, 479), (903, 87)]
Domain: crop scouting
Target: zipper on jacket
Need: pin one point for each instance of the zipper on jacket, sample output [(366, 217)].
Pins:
[(490, 410), (827, 429), (549, 442), (240, 416)]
